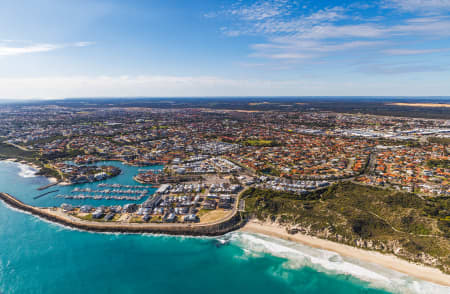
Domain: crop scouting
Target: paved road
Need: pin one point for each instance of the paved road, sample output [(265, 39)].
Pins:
[(18, 146), (241, 205)]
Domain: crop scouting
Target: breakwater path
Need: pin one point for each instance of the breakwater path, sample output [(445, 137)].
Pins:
[(228, 224)]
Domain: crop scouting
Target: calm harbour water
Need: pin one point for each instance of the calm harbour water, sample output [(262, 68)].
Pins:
[(40, 257)]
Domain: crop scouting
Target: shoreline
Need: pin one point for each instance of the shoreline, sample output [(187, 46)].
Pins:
[(231, 223), (25, 162), (389, 261)]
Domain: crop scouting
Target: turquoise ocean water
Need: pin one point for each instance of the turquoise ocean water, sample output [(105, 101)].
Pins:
[(40, 257)]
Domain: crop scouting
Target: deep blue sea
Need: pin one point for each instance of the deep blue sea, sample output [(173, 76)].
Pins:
[(40, 257)]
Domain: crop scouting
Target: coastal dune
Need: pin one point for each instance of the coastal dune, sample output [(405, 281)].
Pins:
[(386, 260)]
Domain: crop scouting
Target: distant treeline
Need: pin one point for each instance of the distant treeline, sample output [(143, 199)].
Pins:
[(441, 163), (367, 105), (439, 140)]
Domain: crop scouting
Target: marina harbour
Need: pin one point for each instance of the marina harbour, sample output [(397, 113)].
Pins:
[(284, 267), (119, 190)]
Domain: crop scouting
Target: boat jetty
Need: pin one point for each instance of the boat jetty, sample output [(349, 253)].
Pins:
[(47, 186), (109, 192), (43, 194), (124, 186), (101, 197)]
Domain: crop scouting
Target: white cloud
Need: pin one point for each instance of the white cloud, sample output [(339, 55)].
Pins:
[(419, 5), (83, 44), (288, 56), (13, 48), (398, 69), (133, 86), (413, 51), (342, 31), (300, 33), (425, 26), (291, 48), (210, 15), (182, 86), (328, 14), (10, 50), (261, 9)]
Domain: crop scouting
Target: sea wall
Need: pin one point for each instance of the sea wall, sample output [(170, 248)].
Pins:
[(234, 222)]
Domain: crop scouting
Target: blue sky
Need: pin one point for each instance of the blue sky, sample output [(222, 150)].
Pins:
[(114, 48)]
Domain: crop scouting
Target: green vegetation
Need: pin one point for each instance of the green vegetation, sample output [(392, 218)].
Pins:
[(202, 212), (9, 151), (439, 208), (394, 142), (49, 172), (438, 140), (350, 212), (46, 140), (412, 143), (67, 154), (156, 219), (441, 163), (260, 143), (88, 217), (136, 219), (270, 170)]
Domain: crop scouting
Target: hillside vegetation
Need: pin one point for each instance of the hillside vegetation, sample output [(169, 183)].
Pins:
[(9, 151), (369, 217)]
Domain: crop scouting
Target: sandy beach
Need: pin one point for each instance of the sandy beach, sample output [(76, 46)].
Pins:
[(386, 260), (421, 104)]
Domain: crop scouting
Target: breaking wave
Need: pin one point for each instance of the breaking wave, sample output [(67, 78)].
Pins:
[(26, 171), (299, 256)]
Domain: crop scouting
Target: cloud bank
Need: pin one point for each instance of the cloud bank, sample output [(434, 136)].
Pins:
[(14, 48), (294, 32), (182, 86)]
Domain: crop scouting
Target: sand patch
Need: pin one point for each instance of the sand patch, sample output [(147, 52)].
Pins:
[(421, 104)]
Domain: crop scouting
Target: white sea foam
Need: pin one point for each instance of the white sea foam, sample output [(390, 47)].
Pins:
[(26, 171), (298, 256)]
